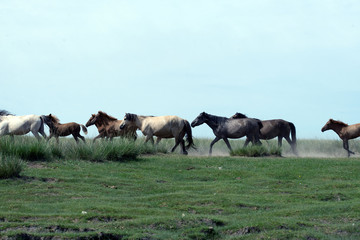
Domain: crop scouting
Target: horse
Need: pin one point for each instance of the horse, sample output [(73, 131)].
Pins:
[(162, 127), (225, 128), (109, 127), (21, 125), (345, 132), (275, 128), (61, 130)]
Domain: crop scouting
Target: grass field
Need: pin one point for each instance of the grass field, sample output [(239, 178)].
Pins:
[(153, 195)]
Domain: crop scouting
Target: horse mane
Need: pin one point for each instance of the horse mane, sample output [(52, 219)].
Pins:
[(54, 118), (339, 122), (213, 118), (5, 113), (238, 115), (107, 116), (130, 116)]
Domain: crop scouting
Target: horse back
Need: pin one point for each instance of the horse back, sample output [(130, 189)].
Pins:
[(352, 131), (19, 125), (163, 126)]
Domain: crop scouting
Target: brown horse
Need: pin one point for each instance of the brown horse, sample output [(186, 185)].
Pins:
[(162, 127), (61, 130), (109, 127), (344, 131), (275, 128)]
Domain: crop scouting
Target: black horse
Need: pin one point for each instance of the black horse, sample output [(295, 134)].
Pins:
[(275, 128), (225, 128)]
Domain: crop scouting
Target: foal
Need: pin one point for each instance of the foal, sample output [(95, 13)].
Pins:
[(344, 131), (61, 130)]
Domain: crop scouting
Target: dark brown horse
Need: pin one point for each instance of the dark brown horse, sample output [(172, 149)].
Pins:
[(344, 131), (225, 128), (61, 130), (275, 128), (109, 127)]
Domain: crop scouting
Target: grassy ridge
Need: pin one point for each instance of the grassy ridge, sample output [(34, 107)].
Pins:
[(182, 197), (73, 190)]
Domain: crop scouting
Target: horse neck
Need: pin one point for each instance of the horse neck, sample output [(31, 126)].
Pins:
[(54, 126), (338, 128), (214, 121), (98, 124), (139, 120), (105, 120)]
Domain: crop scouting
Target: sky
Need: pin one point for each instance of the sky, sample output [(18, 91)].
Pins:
[(269, 59)]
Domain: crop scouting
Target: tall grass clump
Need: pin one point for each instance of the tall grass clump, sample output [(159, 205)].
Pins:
[(257, 151), (10, 166), (117, 150), (26, 148)]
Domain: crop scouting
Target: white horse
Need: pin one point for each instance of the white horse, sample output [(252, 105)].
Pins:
[(21, 125)]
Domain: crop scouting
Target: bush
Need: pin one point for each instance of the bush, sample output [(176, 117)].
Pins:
[(256, 151), (10, 166)]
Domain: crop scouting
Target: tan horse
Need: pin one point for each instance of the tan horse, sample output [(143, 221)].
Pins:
[(61, 130), (162, 127), (344, 131), (109, 127)]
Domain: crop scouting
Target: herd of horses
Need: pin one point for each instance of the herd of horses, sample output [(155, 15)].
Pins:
[(237, 126)]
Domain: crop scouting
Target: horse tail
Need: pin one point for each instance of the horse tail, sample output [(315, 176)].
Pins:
[(189, 138), (84, 129), (41, 128), (293, 132)]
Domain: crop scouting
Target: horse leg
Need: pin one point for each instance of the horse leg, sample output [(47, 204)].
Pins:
[(212, 143), (149, 137), (183, 147), (177, 142), (280, 141), (346, 147), (82, 138), (57, 139), (246, 142), (75, 137), (158, 139), (227, 143), (42, 133), (50, 136), (98, 136), (36, 134)]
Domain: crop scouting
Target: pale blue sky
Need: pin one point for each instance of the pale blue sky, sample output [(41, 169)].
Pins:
[(290, 59)]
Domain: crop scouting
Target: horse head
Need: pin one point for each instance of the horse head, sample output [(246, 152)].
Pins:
[(92, 120), (327, 125), (129, 117), (332, 124), (199, 119)]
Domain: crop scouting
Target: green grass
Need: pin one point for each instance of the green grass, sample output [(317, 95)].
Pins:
[(170, 196)]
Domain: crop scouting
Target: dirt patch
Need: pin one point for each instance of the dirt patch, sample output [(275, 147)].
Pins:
[(30, 179), (246, 230)]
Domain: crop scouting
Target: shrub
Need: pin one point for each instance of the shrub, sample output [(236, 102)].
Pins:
[(256, 151), (10, 166)]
